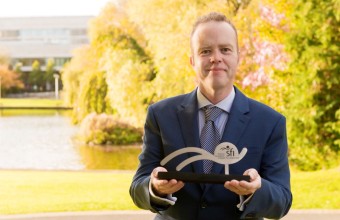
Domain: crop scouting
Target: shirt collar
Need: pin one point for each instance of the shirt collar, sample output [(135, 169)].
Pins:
[(225, 104)]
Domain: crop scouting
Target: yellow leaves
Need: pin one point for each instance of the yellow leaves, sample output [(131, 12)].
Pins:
[(127, 85), (9, 78), (107, 20)]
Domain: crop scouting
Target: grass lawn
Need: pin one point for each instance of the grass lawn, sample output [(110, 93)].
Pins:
[(44, 191), (316, 190), (30, 102)]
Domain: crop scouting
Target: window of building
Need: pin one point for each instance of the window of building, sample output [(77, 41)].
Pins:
[(8, 35)]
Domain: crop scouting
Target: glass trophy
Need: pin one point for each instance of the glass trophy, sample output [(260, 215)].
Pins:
[(225, 153)]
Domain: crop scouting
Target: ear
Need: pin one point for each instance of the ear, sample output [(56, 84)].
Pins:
[(192, 61)]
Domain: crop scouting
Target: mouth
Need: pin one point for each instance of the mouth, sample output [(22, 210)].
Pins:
[(216, 70)]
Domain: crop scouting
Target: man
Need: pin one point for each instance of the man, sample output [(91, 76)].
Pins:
[(178, 122)]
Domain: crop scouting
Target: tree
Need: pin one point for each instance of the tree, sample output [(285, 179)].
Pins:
[(84, 84), (313, 101), (9, 80), (48, 76), (109, 74), (127, 64), (35, 77), (261, 29), (22, 76)]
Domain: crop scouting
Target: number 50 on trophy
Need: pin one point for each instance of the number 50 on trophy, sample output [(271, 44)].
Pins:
[(225, 153)]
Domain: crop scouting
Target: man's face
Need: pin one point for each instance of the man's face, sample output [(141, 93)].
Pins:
[(214, 56)]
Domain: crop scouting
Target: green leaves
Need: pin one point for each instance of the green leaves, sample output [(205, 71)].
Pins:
[(314, 52)]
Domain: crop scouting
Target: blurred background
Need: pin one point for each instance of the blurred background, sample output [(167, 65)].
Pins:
[(77, 76)]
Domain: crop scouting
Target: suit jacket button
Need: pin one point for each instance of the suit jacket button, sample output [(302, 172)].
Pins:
[(204, 205)]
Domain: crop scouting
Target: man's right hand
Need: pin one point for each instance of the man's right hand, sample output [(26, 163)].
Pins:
[(162, 188)]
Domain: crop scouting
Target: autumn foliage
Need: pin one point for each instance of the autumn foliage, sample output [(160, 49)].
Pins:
[(139, 54), (9, 79)]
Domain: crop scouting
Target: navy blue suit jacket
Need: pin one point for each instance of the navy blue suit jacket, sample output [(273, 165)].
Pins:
[(172, 124)]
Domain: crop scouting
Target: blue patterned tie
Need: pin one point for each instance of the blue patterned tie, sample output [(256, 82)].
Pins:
[(210, 136)]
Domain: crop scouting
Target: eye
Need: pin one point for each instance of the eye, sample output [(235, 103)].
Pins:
[(205, 52), (226, 50)]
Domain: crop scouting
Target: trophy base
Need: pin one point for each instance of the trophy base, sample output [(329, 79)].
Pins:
[(201, 177)]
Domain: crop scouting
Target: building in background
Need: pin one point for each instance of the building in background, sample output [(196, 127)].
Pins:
[(29, 39), (42, 38)]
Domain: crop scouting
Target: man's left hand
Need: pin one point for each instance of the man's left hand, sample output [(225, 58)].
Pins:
[(244, 188)]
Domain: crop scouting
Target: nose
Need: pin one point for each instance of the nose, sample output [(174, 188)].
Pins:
[(216, 57)]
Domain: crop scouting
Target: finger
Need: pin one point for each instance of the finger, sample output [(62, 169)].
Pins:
[(235, 187), (251, 187), (177, 186), (172, 186), (252, 173), (158, 169), (245, 184), (239, 192), (154, 177), (240, 188)]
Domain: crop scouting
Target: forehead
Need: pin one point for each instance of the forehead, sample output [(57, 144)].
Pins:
[(213, 32)]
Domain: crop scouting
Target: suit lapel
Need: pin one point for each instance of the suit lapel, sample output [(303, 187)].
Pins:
[(237, 119), (187, 115)]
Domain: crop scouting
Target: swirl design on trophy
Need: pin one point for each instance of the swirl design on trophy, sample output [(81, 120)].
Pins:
[(225, 153)]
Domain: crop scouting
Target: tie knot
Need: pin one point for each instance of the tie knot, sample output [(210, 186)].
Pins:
[(211, 112)]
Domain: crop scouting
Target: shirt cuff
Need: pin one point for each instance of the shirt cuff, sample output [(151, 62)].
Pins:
[(244, 202), (168, 200)]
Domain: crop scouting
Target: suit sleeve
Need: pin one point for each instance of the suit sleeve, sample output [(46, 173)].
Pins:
[(149, 159), (273, 200)]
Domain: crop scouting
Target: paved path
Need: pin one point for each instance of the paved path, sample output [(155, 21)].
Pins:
[(146, 215)]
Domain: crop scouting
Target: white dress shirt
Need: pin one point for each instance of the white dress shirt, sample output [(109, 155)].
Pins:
[(225, 105)]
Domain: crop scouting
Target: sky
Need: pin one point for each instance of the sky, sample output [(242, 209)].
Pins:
[(36, 8)]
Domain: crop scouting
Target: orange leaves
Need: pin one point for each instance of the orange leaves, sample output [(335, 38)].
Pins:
[(9, 78)]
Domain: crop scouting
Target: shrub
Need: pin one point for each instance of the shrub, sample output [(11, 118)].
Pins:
[(101, 129)]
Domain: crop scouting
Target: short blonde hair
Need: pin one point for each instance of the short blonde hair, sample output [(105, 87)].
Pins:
[(213, 16)]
